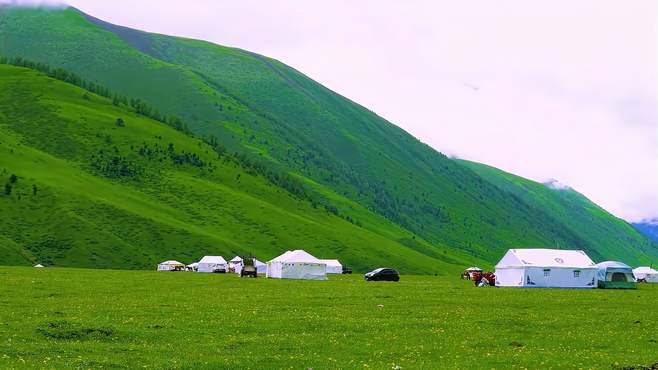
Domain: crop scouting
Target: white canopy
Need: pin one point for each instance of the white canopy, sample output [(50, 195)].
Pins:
[(333, 266), (546, 268), (38, 265), (210, 263), (169, 265), (297, 264), (646, 273), (474, 268), (236, 259)]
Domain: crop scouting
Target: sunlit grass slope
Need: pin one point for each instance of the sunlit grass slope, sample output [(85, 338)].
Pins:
[(85, 191), (258, 105)]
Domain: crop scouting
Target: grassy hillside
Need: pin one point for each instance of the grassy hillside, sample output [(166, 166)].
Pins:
[(261, 107), (85, 191), (71, 318), (591, 223)]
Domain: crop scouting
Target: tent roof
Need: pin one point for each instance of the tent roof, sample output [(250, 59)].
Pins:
[(258, 263), (195, 264), (38, 265), (645, 270), (333, 263), (213, 259), (613, 264), (545, 258), (297, 256), (171, 263), (474, 268), (236, 259), (279, 258)]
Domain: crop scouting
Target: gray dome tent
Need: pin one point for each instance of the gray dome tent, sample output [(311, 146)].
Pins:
[(615, 275)]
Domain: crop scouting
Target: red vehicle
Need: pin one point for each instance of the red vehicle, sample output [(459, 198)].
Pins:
[(489, 276)]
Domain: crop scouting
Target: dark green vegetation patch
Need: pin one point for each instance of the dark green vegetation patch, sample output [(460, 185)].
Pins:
[(65, 330)]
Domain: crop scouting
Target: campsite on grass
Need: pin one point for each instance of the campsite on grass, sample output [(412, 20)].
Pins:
[(86, 317), (320, 185)]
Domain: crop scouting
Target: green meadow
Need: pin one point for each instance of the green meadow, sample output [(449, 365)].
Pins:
[(75, 318)]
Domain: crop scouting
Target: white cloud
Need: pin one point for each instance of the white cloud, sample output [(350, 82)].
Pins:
[(36, 3), (544, 89)]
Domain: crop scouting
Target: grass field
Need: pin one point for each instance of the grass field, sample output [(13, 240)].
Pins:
[(63, 318)]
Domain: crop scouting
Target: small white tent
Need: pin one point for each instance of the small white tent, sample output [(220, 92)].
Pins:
[(235, 264), (170, 266), (546, 268), (646, 274), (333, 266), (210, 263), (261, 267), (297, 264), (38, 265)]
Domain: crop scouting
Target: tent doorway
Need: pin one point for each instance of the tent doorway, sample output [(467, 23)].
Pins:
[(618, 276)]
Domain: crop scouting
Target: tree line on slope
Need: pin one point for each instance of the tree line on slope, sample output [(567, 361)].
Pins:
[(114, 166)]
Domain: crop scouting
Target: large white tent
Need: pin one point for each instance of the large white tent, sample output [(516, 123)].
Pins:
[(210, 263), (170, 265), (296, 264), (646, 273), (333, 266), (546, 268)]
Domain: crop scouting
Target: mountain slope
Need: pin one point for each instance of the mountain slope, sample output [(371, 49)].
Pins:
[(614, 238), (85, 191), (649, 228), (261, 107)]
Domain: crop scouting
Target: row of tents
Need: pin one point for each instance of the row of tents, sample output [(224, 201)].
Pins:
[(556, 268), (297, 264)]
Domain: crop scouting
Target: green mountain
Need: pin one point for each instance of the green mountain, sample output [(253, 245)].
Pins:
[(88, 183), (369, 173), (601, 234)]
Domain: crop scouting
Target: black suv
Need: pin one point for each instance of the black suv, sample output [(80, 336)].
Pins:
[(382, 274)]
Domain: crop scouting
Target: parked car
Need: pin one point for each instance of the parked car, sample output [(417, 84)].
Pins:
[(347, 270), (382, 274)]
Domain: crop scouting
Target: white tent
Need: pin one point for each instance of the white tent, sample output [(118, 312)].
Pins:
[(646, 273), (170, 266), (38, 265), (615, 275), (261, 267), (193, 266), (333, 266), (297, 264), (235, 264), (546, 268), (210, 263)]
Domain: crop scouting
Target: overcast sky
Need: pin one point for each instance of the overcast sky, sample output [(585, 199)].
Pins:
[(544, 89)]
